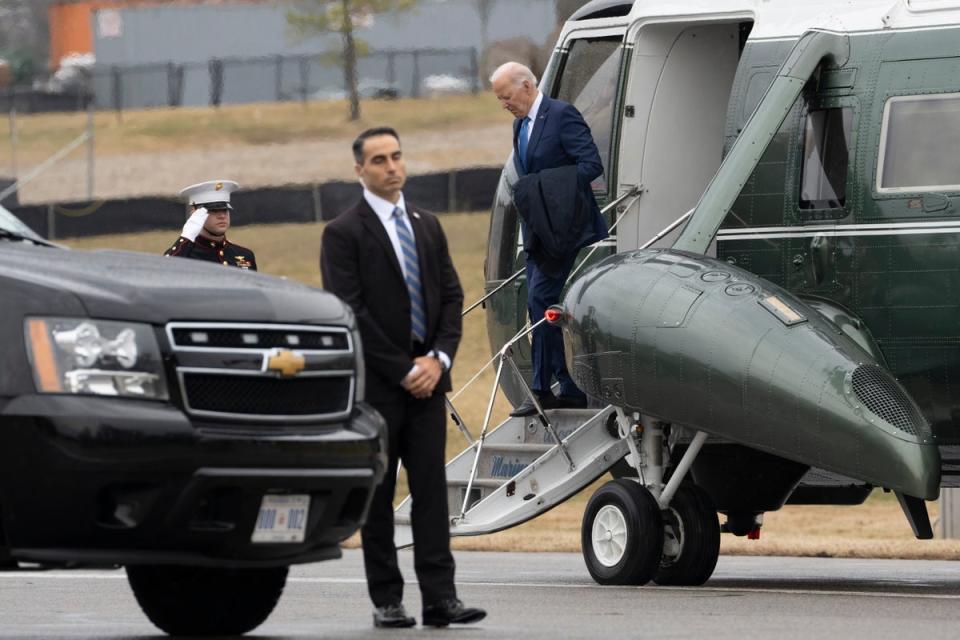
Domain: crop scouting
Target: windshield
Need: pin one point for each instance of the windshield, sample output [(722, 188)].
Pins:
[(10, 222)]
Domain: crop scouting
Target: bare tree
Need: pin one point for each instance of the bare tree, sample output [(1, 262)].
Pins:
[(316, 17), (484, 9), (24, 34)]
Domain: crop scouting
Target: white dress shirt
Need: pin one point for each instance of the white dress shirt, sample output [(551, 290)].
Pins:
[(384, 210), (534, 110)]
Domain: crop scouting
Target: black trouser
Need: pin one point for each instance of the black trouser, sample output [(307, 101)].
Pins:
[(418, 434)]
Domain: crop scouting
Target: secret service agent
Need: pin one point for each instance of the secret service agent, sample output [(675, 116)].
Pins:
[(204, 236)]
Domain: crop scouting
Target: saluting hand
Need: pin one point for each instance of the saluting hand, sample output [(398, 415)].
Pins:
[(423, 379), (194, 224)]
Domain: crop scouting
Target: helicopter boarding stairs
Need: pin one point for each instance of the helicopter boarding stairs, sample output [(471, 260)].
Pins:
[(523, 468), (527, 465)]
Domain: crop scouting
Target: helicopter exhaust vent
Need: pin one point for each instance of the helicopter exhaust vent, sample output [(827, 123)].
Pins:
[(880, 393)]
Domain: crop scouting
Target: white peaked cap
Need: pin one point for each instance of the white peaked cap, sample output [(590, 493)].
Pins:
[(214, 192)]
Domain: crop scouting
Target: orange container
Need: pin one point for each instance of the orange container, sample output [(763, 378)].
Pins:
[(71, 28)]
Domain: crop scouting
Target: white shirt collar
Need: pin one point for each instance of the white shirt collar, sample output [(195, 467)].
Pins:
[(383, 208), (535, 109)]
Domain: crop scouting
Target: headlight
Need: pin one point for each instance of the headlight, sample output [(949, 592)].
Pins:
[(361, 375), (82, 356)]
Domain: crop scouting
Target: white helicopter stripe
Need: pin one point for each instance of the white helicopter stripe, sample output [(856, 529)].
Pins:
[(889, 229)]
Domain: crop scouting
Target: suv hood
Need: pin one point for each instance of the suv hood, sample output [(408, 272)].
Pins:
[(120, 285)]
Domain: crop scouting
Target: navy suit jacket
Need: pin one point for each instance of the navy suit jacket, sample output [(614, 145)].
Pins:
[(562, 138)]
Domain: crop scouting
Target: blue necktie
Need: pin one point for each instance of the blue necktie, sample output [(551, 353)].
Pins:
[(522, 140), (411, 269)]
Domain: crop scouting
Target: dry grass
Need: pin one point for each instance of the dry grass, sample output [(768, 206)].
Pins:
[(152, 130), (875, 529), (159, 151)]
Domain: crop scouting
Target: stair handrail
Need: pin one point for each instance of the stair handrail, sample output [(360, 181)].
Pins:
[(457, 419), (634, 190), (667, 229), (527, 328), (505, 355)]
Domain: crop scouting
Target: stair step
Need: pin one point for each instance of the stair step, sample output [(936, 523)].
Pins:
[(521, 472), (486, 483), (518, 448), (564, 422), (456, 489), (480, 489)]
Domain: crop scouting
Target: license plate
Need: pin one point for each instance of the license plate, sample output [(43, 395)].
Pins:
[(282, 519)]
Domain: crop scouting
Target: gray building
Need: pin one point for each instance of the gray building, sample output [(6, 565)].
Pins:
[(152, 56)]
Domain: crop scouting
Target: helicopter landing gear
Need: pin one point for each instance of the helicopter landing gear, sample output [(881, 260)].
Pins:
[(635, 530)]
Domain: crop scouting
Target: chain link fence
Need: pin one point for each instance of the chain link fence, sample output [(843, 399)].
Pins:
[(223, 81)]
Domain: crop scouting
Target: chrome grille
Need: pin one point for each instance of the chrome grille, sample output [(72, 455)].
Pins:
[(260, 338), (880, 393), (223, 371), (256, 395)]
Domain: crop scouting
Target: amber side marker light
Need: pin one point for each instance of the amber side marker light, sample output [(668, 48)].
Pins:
[(44, 363), (553, 314)]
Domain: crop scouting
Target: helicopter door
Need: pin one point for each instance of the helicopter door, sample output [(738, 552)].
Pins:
[(584, 72), (674, 113)]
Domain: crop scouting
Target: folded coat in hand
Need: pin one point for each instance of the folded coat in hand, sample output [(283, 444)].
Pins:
[(558, 217)]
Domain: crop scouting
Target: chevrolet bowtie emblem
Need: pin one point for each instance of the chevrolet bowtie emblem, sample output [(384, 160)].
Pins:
[(285, 362)]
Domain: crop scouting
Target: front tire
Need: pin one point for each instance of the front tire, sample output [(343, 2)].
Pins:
[(622, 534), (691, 539), (202, 601)]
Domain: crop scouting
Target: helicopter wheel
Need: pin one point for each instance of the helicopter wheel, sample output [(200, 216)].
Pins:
[(691, 539), (622, 534)]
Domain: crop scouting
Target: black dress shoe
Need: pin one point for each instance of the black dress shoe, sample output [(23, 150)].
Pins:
[(392, 616), (526, 408), (451, 611), (572, 402)]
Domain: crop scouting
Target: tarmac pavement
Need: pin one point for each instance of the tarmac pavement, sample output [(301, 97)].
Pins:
[(545, 595)]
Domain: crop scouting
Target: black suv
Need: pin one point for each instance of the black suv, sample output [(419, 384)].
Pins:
[(200, 425)]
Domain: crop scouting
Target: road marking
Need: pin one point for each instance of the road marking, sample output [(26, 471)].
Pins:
[(537, 585), (36, 575), (534, 585)]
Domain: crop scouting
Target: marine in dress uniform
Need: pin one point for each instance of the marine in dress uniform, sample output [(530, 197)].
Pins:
[(204, 234)]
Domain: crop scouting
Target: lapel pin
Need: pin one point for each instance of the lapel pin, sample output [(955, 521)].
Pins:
[(415, 214)]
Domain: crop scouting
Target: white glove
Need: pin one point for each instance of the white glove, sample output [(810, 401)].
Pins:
[(194, 224)]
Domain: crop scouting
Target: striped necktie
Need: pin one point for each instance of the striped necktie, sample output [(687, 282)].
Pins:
[(523, 140), (411, 270)]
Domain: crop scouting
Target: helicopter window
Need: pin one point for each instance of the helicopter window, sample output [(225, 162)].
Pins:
[(919, 142), (589, 82), (826, 155)]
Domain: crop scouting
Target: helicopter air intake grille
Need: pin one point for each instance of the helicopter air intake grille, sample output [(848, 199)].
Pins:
[(879, 393)]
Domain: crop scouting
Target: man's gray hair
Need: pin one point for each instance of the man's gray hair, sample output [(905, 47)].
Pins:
[(516, 72)]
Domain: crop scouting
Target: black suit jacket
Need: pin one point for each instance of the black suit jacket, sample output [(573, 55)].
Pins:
[(556, 218), (359, 265)]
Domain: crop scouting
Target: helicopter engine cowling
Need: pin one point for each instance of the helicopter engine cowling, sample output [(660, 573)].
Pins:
[(690, 340)]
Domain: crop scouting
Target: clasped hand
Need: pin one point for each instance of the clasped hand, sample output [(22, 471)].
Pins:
[(423, 379)]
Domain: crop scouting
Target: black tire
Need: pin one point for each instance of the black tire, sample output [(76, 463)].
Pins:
[(641, 541), (691, 539), (202, 601)]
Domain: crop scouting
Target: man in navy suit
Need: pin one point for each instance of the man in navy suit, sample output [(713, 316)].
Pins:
[(548, 134)]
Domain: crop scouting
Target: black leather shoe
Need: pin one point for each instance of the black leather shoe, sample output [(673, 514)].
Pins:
[(526, 408), (392, 616), (451, 611), (572, 402)]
